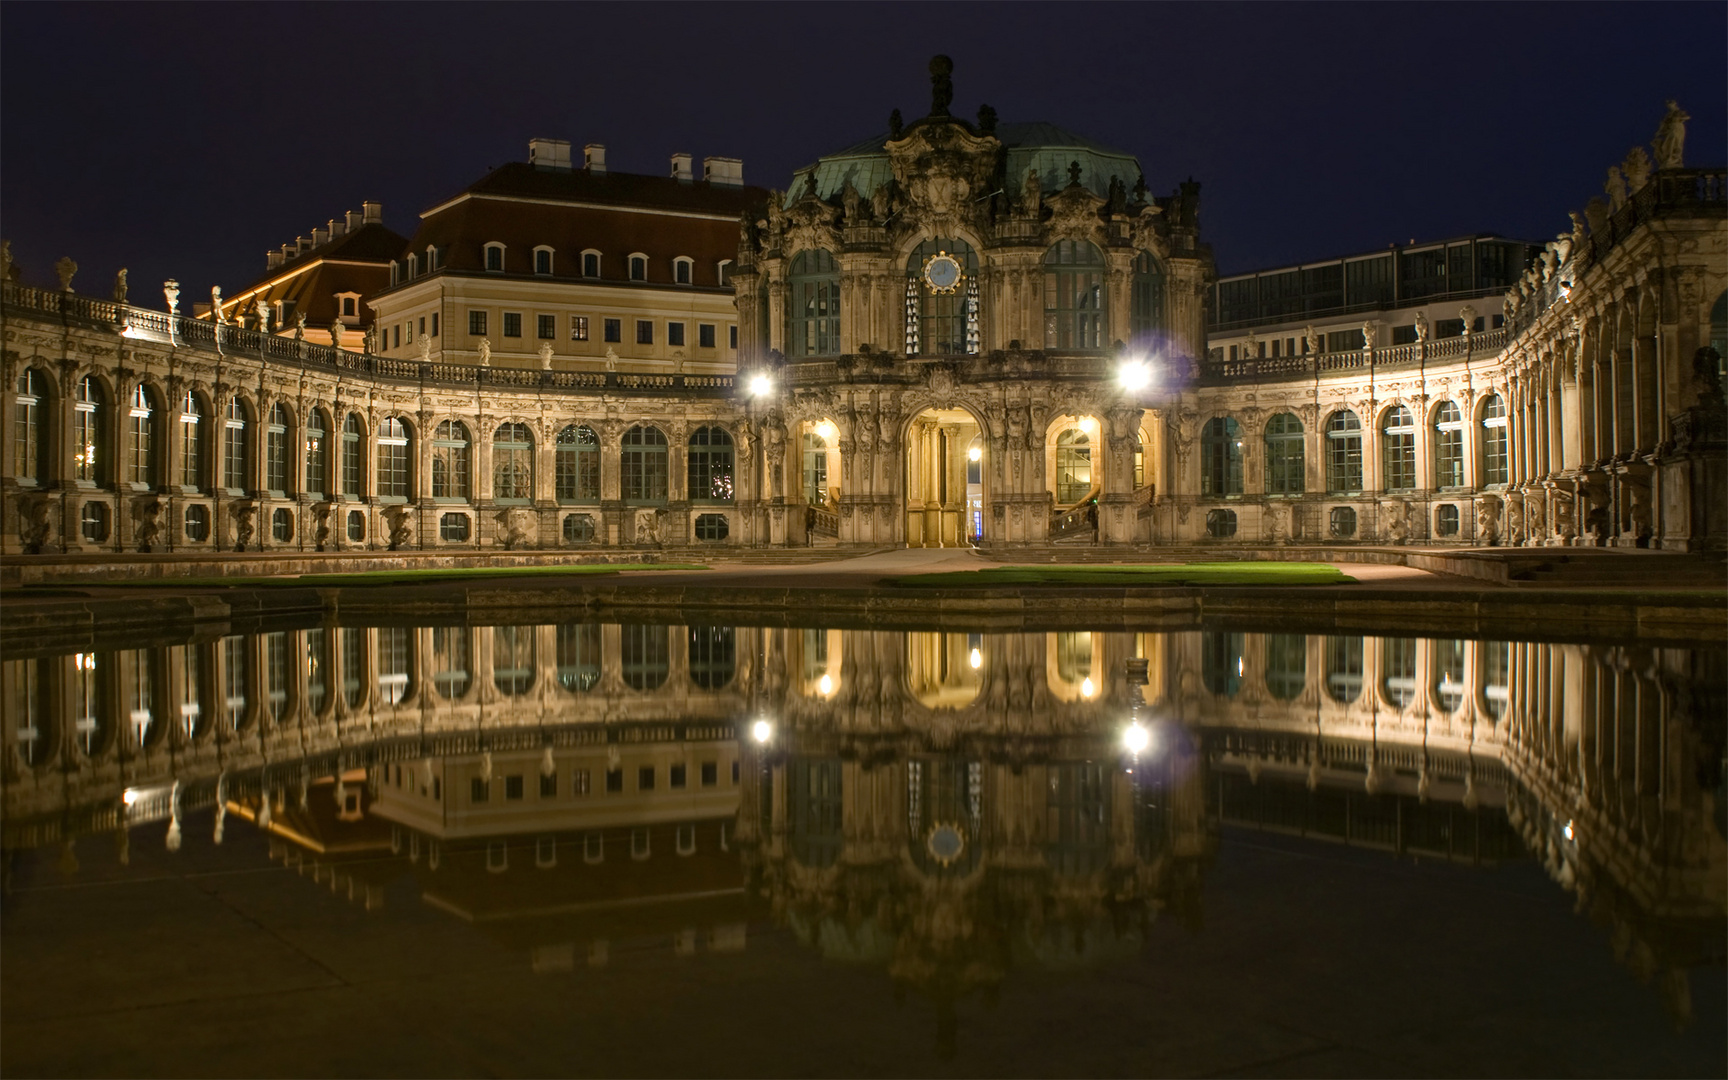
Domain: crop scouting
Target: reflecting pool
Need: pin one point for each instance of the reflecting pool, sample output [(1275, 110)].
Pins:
[(708, 849)]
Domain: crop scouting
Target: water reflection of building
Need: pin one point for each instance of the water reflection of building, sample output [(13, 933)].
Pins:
[(949, 806)]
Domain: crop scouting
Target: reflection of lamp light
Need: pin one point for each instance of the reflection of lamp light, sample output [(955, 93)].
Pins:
[(826, 685), (827, 430), (976, 453), (130, 797), (1088, 424), (976, 659), (761, 731), (1086, 687), (1135, 738), (1568, 830)]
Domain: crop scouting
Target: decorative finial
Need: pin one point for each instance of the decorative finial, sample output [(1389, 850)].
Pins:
[(986, 120), (895, 124), (171, 293), (941, 85), (1073, 174)]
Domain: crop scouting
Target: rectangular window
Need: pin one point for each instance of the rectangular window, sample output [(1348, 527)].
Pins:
[(644, 332), (479, 790), (547, 327), (542, 262), (434, 324), (614, 329), (675, 333), (710, 773), (549, 786), (398, 336), (675, 776), (579, 782), (705, 335), (422, 326), (732, 336), (513, 787), (645, 778), (477, 323), (512, 324), (410, 325), (578, 328), (614, 781), (590, 264)]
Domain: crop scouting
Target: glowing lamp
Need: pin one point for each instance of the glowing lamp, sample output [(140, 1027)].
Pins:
[(976, 453), (761, 385), (761, 731), (976, 659), (1135, 738), (1134, 375)]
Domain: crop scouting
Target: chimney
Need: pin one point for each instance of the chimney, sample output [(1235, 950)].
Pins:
[(289, 251), (353, 219), (549, 154), (303, 243), (594, 158), (337, 228), (725, 171), (372, 212), (319, 236), (272, 259), (681, 168)]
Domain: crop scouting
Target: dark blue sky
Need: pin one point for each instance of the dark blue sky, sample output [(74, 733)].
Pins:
[(184, 140)]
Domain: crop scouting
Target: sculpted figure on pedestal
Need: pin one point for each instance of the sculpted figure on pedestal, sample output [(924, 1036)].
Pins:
[(486, 352), (64, 269), (1421, 326), (1488, 520), (1636, 167), (120, 286), (1670, 139)]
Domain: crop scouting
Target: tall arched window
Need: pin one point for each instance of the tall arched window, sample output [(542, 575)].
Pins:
[(191, 442), (317, 452), (815, 306), (1074, 301), (1221, 457), (353, 454), (395, 661), (450, 461), (452, 663), (711, 460), (815, 467), (642, 469), (1221, 662), (513, 659), (1343, 453), (234, 448), (1399, 450), (578, 465), (1448, 674), (90, 432), (393, 459), (1448, 446), (1146, 309), (141, 440), (1286, 665), (1398, 670), (512, 464), (1286, 455), (645, 656), (1494, 461), (579, 656), (276, 450), (1343, 669), (942, 299), (713, 656), (1073, 466), (30, 428)]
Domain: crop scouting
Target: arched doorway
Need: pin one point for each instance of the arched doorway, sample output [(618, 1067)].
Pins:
[(819, 479), (945, 451)]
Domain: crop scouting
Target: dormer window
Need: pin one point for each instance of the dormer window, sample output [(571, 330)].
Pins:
[(543, 261), (683, 270), (413, 267), (591, 264), (395, 272), (348, 304), (725, 272), (495, 258), (638, 268), (431, 258)]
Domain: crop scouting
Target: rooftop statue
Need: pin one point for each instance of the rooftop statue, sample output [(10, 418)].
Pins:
[(120, 286), (65, 268), (941, 85), (1669, 141)]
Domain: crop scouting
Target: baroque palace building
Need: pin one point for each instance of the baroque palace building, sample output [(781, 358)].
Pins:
[(955, 333)]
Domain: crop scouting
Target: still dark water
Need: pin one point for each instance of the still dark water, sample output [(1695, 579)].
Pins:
[(603, 849)]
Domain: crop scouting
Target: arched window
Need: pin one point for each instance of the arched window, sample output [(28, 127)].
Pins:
[(1073, 466), (1449, 674), (942, 299), (1494, 459), (1448, 446), (512, 463), (1221, 662), (395, 661), (317, 670), (317, 455), (1286, 665), (276, 450), (642, 465), (191, 442), (1400, 449), (141, 440), (815, 306), (234, 446), (236, 666), (353, 453), (28, 712), (1343, 453), (1146, 310), (645, 656), (351, 647), (30, 428), (713, 656), (815, 471), (1343, 669), (278, 675), (90, 432), (1074, 304), (1496, 677), (393, 459), (711, 460), (1221, 457), (450, 461), (579, 656), (513, 659), (452, 663), (577, 465), (1286, 456), (1398, 670)]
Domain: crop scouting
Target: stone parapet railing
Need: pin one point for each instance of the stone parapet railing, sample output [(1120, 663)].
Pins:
[(145, 325), (1285, 368)]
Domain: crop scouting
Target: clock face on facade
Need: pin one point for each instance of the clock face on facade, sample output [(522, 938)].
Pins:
[(942, 273)]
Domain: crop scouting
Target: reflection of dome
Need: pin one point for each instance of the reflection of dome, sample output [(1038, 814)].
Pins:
[(945, 843), (1045, 147)]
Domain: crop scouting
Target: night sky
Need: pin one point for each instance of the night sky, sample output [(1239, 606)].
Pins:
[(184, 140)]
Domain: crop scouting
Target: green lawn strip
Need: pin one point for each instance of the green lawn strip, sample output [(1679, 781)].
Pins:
[(384, 577), (1268, 573)]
